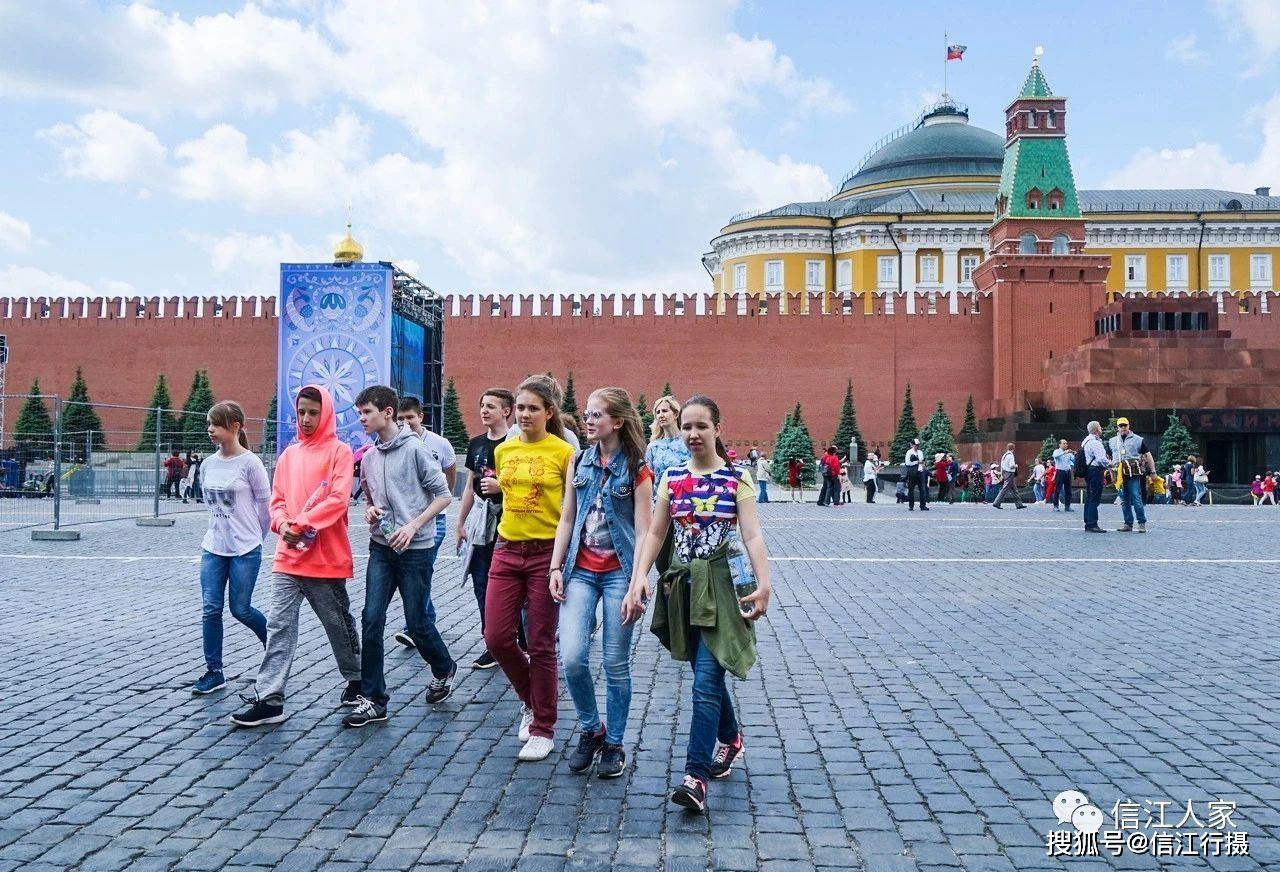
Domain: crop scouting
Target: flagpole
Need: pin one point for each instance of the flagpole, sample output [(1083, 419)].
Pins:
[(946, 42)]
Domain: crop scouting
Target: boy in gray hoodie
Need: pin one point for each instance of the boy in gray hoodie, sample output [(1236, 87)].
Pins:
[(406, 490)]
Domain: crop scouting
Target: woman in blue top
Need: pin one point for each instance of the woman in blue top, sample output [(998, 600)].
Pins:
[(667, 448), (604, 513)]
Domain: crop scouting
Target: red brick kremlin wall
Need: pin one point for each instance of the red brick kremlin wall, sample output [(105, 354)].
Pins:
[(757, 366)]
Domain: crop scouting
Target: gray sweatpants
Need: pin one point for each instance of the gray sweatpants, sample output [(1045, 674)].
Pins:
[(328, 599)]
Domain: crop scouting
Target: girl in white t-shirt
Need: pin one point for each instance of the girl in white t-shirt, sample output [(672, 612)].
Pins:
[(237, 492)]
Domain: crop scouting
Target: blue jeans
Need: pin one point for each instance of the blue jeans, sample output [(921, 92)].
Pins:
[(763, 487), (1092, 495), (583, 590), (410, 573), (713, 716), (215, 573), (1131, 501), (1038, 492)]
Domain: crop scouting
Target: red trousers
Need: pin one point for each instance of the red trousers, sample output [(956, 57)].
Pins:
[(518, 576)]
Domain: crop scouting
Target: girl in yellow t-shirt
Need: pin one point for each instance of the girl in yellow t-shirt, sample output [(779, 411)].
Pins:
[(533, 470)]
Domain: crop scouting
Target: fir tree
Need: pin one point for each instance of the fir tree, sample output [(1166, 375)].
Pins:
[(969, 431), (33, 431), (271, 426), (193, 427), (1175, 444), (1111, 429), (666, 390), (160, 399), (570, 404), (646, 415), (847, 429), (936, 436), (455, 430), (80, 419), (1047, 447), (907, 430), (793, 442)]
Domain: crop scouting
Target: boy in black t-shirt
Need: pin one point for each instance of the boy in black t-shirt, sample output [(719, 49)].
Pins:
[(482, 502)]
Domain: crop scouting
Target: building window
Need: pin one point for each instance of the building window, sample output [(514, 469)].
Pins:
[(1219, 270), (1033, 199), (844, 275), (773, 275), (1027, 243), (1176, 270), (1052, 121), (968, 264), (1061, 243), (1135, 271), (1031, 118), (929, 269), (814, 275), (739, 276), (1260, 270), (887, 270)]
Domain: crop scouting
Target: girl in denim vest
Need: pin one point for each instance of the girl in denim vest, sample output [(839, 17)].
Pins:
[(605, 511)]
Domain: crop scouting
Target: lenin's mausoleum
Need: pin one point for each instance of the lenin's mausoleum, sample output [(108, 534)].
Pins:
[(957, 260)]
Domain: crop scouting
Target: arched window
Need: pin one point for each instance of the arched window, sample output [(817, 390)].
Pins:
[(1027, 243), (1031, 118), (1054, 200), (1033, 198), (1061, 244), (1053, 118)]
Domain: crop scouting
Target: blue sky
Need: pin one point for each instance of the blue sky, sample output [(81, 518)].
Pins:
[(187, 148)]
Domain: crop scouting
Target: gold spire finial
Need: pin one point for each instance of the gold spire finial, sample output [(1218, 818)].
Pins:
[(348, 250)]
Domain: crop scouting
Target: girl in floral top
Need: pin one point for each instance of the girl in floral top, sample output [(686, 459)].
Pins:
[(705, 501)]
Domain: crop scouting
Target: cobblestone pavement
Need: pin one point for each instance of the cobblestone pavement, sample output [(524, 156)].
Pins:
[(928, 683)]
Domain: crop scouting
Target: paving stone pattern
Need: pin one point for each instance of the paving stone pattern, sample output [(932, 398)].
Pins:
[(917, 708)]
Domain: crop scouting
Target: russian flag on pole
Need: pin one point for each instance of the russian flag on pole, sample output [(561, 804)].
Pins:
[(955, 52)]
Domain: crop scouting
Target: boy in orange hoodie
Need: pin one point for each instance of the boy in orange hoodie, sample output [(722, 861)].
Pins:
[(313, 557)]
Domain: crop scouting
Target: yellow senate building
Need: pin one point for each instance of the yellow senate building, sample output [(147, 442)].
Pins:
[(914, 215)]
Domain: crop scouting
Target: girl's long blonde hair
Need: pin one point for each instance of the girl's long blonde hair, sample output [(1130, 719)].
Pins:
[(618, 405), (655, 430)]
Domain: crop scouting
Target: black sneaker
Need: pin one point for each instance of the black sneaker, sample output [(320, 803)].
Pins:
[(258, 714), (726, 756), (613, 762), (366, 712), (403, 638), (351, 694), (589, 745), (484, 661), (440, 688), (692, 794)]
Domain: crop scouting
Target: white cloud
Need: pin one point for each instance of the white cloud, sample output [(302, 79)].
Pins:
[(1206, 164), (15, 234), (29, 281), (137, 58), (249, 265), (1255, 21), (549, 145), (105, 147), (1183, 50)]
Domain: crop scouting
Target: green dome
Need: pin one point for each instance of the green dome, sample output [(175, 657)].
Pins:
[(942, 143)]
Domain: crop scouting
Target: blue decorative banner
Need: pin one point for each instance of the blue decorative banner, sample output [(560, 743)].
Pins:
[(335, 331)]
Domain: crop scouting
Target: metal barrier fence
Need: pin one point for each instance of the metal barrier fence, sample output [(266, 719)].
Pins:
[(58, 474)]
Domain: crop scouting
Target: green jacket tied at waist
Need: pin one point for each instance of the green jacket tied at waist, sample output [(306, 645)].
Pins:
[(699, 596)]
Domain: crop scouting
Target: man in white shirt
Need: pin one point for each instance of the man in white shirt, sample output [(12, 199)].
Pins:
[(1095, 462), (763, 470), (1037, 480), (869, 471), (913, 471), (1009, 478), (1064, 463)]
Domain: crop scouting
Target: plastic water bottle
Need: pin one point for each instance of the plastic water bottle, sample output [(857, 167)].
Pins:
[(309, 534), (744, 577), (387, 523)]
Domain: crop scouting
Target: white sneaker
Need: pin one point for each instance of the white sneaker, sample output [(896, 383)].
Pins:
[(537, 748), (526, 721)]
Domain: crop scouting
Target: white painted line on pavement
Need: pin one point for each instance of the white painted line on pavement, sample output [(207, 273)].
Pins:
[(1023, 559)]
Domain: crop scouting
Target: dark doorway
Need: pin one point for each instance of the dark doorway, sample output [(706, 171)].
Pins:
[(1233, 459)]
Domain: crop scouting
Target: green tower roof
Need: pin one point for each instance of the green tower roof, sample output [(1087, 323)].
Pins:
[(1036, 85)]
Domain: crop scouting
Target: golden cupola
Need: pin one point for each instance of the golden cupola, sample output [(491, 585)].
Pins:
[(348, 250)]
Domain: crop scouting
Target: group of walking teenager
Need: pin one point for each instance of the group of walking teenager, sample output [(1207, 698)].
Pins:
[(549, 534)]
